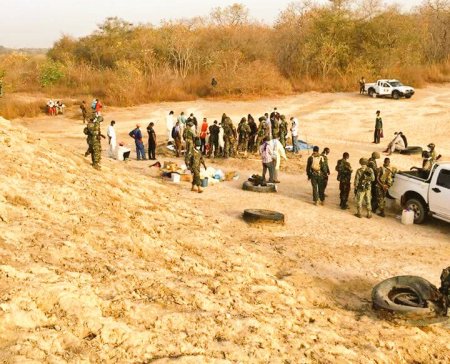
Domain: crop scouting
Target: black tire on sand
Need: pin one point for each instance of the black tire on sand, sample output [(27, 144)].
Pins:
[(409, 295), (255, 215), (248, 186), (412, 150)]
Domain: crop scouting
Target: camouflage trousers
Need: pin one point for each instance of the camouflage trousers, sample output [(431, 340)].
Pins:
[(318, 187), (374, 196), (243, 145), (283, 139), (196, 181), (361, 197), (95, 150), (229, 146), (344, 188), (381, 198), (188, 152), (177, 146)]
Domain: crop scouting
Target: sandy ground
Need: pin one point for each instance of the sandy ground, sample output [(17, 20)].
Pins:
[(122, 266)]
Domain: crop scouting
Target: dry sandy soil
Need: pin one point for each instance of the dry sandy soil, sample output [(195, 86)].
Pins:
[(122, 266)]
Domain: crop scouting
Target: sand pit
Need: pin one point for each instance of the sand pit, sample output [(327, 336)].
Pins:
[(121, 266)]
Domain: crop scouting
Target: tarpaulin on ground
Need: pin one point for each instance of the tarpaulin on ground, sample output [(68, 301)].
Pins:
[(301, 144)]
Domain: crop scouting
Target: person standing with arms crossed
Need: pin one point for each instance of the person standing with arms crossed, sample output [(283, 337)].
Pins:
[(151, 141)]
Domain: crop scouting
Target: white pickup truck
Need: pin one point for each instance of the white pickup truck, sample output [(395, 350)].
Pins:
[(389, 88), (425, 194)]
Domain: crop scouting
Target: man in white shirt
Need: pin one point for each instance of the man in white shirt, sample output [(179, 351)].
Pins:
[(397, 144), (170, 123), (278, 153), (266, 152), (111, 133), (294, 132), (123, 153)]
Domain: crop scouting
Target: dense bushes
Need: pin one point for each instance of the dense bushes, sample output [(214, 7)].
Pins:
[(310, 47)]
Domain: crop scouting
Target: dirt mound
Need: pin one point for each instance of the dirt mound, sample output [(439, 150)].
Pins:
[(112, 266)]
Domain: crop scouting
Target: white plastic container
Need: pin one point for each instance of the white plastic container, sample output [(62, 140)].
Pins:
[(407, 217), (175, 177)]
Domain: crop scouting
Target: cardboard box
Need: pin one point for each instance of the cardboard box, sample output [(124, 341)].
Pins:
[(186, 178)]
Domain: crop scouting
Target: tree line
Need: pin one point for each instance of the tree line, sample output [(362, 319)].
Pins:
[(311, 46)]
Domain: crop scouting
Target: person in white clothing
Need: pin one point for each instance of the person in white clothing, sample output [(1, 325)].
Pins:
[(278, 153), (170, 123), (294, 132), (111, 133), (397, 144), (122, 152), (221, 141)]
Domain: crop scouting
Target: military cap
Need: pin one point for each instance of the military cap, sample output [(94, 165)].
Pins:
[(431, 145), (363, 161), (376, 155)]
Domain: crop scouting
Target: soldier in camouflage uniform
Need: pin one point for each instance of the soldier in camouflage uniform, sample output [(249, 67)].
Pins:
[(433, 154), (261, 131), (93, 132), (363, 182), (196, 160), (384, 182), (326, 174), (244, 134), (315, 170), (229, 138), (283, 130), (374, 166), (344, 170), (276, 126), (233, 139), (189, 137)]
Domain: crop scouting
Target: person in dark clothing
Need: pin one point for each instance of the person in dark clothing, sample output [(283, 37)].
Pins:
[(214, 131), (253, 133), (377, 134), (192, 119), (151, 141)]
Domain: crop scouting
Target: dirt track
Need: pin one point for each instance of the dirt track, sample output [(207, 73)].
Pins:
[(187, 277)]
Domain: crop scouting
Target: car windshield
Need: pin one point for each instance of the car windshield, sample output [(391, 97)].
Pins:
[(396, 83)]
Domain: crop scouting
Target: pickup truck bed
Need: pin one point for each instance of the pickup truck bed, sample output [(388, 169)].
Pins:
[(425, 194)]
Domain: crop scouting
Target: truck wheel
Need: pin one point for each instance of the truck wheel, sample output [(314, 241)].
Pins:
[(371, 92), (395, 95), (417, 206), (408, 96)]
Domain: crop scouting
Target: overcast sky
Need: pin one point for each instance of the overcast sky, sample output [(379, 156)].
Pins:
[(39, 23)]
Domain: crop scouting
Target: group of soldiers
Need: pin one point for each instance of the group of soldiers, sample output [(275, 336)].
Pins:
[(371, 182), (244, 139), (251, 135)]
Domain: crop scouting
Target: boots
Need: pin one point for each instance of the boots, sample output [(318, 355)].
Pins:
[(369, 214), (358, 213), (381, 213), (193, 188), (200, 189)]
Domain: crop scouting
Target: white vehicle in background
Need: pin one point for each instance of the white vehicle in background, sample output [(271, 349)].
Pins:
[(389, 88), (424, 193)]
